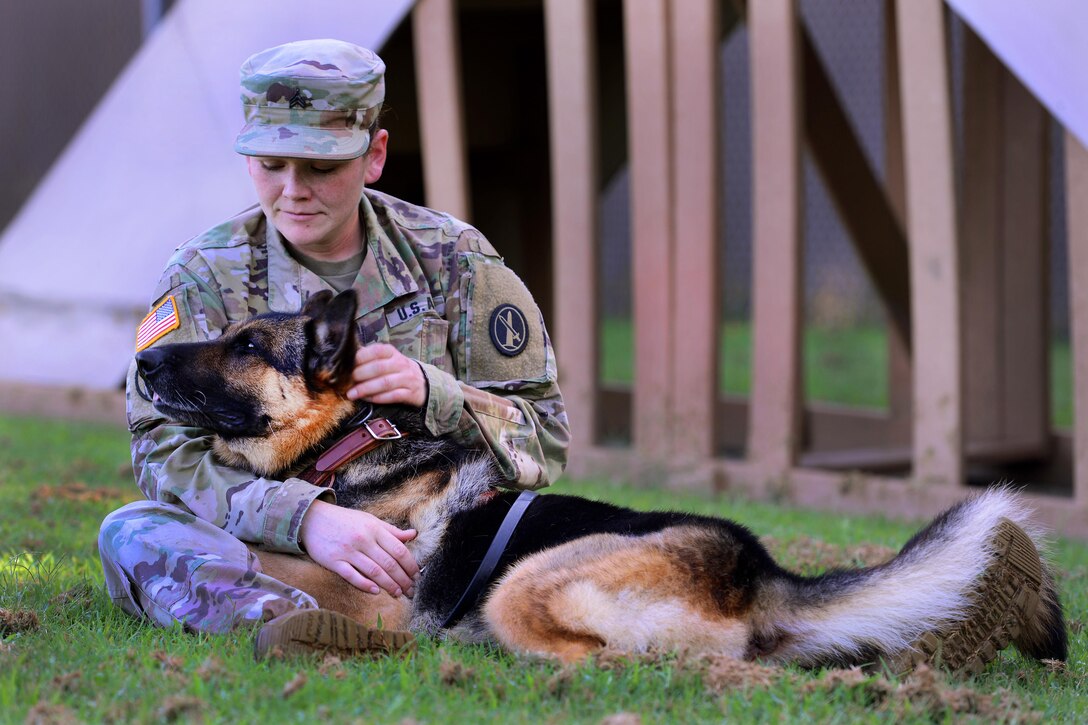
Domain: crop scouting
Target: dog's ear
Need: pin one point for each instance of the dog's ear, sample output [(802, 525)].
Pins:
[(317, 303), (331, 333)]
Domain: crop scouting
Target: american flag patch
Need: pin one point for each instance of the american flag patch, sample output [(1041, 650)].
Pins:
[(158, 322)]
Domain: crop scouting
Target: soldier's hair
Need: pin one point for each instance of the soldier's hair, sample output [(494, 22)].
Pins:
[(375, 126)]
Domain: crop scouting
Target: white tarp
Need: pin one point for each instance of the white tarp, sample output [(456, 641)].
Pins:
[(152, 166), (1045, 44)]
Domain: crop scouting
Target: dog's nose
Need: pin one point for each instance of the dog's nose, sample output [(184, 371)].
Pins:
[(148, 361)]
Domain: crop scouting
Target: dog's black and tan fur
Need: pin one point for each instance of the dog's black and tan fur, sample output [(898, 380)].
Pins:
[(578, 575)]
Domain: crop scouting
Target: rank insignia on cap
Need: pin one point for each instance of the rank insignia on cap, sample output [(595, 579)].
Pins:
[(509, 330), (158, 322)]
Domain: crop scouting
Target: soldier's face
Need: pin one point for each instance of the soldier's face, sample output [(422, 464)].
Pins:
[(315, 203)]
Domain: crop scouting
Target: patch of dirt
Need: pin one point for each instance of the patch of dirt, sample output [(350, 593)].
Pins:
[(211, 668), (176, 707), (296, 684), (46, 714), (725, 673), (814, 554), (451, 672), (67, 682), (32, 543), (558, 685), (81, 595), (170, 663), (13, 621), (875, 688), (623, 718), (334, 665), (926, 690), (77, 491)]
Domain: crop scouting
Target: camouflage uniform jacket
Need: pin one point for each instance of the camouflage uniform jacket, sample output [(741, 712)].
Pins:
[(429, 285)]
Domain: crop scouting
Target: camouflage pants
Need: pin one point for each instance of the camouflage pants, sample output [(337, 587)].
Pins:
[(163, 563)]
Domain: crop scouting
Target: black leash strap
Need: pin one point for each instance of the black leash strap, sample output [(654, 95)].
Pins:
[(491, 558)]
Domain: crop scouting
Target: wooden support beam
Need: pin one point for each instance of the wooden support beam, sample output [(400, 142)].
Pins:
[(863, 204), (980, 232), (899, 363), (696, 304), (1005, 253), (1025, 240), (774, 431), (442, 138), (646, 49), (934, 262), (572, 109), (1076, 206)]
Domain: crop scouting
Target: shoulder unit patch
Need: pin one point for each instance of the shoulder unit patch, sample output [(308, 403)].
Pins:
[(509, 330), (161, 320), (505, 341)]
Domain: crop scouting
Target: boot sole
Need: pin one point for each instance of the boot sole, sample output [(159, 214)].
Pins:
[(317, 631), (1006, 598)]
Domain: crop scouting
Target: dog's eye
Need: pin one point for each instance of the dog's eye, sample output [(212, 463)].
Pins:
[(245, 344)]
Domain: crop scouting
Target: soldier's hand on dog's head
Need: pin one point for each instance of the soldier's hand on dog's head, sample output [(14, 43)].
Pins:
[(366, 551), (384, 375)]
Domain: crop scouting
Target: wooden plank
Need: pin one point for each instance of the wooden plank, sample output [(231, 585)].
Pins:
[(899, 363), (980, 232), (845, 492), (1024, 285), (774, 431), (931, 223), (858, 194), (898, 457), (646, 33), (1076, 206), (572, 122), (696, 304), (1004, 259), (441, 106)]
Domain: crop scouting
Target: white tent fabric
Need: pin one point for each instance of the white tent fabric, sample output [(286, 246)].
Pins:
[(152, 166), (1045, 44)]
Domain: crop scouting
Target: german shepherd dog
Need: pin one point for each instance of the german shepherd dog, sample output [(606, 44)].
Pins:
[(580, 575)]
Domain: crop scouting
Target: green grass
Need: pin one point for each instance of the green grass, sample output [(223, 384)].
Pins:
[(848, 366), (94, 663)]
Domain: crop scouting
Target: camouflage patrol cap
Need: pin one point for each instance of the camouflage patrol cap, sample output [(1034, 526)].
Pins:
[(313, 99)]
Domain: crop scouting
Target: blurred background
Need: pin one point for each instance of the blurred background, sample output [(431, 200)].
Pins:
[(118, 143)]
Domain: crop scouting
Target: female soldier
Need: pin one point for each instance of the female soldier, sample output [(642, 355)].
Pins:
[(426, 285)]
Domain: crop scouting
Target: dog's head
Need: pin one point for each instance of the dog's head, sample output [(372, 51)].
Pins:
[(270, 387)]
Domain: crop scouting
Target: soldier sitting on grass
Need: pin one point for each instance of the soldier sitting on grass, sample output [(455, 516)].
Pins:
[(313, 145)]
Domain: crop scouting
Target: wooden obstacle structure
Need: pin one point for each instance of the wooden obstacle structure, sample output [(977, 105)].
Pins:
[(965, 289)]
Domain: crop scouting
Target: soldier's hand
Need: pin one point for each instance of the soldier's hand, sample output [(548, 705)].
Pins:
[(363, 549), (384, 375)]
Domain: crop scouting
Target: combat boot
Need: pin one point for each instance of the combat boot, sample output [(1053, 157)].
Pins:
[(323, 631), (1005, 599)]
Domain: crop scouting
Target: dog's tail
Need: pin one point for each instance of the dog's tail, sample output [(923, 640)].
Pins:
[(964, 587)]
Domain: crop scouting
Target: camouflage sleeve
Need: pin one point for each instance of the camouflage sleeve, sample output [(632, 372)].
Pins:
[(175, 463), (505, 395)]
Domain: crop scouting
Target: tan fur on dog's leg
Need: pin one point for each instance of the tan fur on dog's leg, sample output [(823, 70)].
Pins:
[(332, 592), (524, 622), (631, 594)]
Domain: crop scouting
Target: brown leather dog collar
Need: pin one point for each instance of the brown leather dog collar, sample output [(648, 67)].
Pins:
[(359, 440)]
